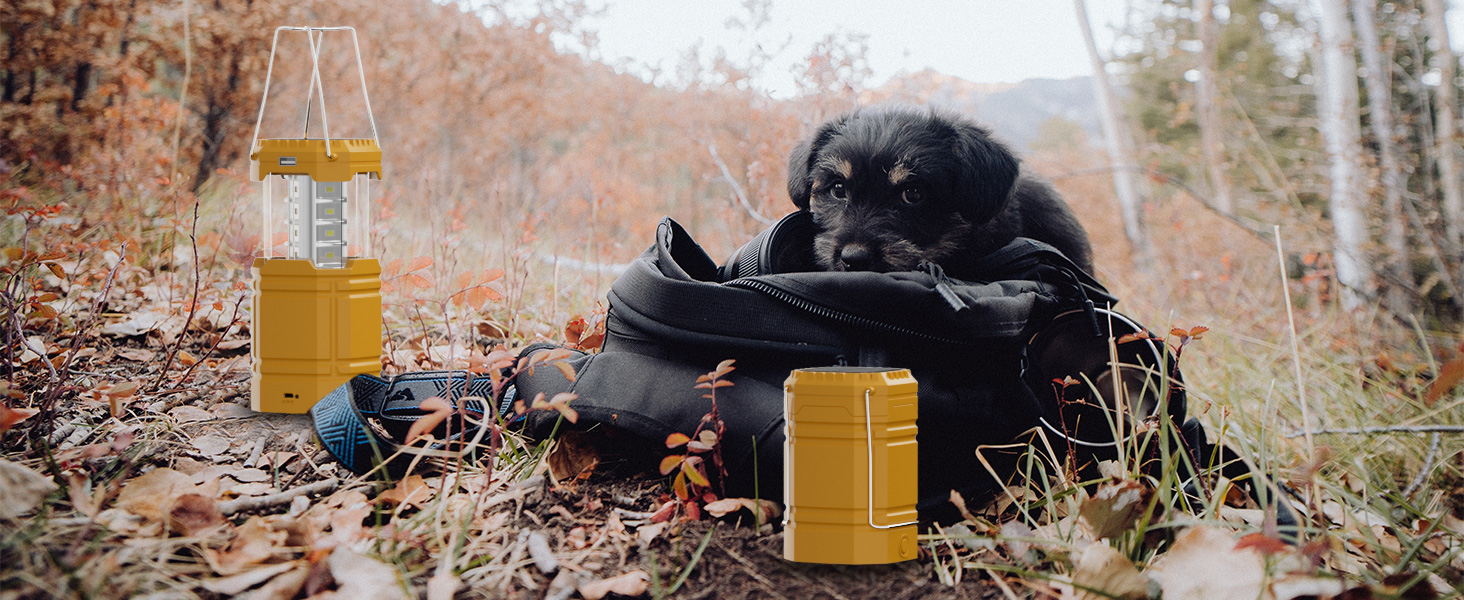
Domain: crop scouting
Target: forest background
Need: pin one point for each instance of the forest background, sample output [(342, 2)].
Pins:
[(518, 174)]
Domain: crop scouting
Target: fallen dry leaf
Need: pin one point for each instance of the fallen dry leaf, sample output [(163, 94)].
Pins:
[(234, 585), (1115, 507), (410, 491), (249, 475), (726, 506), (1104, 569), (364, 578), (194, 514), (147, 495), (10, 416), (573, 457), (1204, 563), (646, 533), (210, 445), (21, 489), (254, 542), (632, 584), (190, 414)]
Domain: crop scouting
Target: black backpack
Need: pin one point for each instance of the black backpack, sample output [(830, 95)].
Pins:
[(986, 351)]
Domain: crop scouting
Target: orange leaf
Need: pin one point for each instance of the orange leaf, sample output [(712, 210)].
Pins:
[(1178, 332), (56, 270), (10, 416), (570, 414), (722, 383), (441, 410), (459, 299), (45, 311), (724, 367), (566, 369), (392, 268), (677, 439), (387, 287), (54, 255), (477, 297), (419, 263), (1262, 543), (670, 463), (120, 390), (1198, 331), (14, 254), (419, 281), (1450, 374), (490, 275), (693, 472), (464, 280), (679, 485)]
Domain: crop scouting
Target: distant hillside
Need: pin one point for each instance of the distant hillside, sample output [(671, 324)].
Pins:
[(1014, 110)]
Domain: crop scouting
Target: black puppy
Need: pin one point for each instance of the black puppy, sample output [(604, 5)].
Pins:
[(890, 187)]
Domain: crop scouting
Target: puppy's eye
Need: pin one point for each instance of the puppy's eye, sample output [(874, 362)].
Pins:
[(912, 195), (838, 191)]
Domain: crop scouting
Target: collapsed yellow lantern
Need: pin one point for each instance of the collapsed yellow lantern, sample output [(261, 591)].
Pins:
[(850, 465), (317, 310)]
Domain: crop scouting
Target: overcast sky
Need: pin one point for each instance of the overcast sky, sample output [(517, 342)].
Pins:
[(985, 41)]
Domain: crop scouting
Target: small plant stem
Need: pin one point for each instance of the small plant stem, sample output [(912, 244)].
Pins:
[(1295, 346), (192, 302)]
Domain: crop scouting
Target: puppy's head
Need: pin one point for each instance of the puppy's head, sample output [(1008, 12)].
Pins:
[(890, 187)]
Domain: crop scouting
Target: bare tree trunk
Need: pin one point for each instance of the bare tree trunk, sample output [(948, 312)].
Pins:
[(1398, 281), (1207, 94), (1445, 130), (1339, 121), (1126, 177)]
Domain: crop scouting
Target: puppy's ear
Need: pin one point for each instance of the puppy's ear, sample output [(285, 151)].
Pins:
[(987, 175), (800, 181), (800, 161)]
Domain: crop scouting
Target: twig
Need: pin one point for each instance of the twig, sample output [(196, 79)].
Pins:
[(192, 302), (736, 187), (233, 320), (285, 497), (539, 551), (1428, 465), (1381, 429), (258, 450)]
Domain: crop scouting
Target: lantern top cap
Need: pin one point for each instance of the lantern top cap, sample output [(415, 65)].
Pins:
[(345, 159)]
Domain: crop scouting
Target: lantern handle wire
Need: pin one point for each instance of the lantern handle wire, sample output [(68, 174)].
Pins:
[(869, 450)]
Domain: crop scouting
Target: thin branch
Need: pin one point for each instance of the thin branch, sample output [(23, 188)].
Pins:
[(1381, 429), (736, 187), (1249, 226), (1428, 465), (272, 500)]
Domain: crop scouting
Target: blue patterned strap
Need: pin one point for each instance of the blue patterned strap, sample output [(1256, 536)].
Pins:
[(344, 418)]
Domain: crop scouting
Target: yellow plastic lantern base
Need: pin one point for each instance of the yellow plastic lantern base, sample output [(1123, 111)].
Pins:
[(842, 507), (313, 330)]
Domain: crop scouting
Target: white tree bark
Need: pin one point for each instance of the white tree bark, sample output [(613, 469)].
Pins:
[(1380, 112), (1339, 121), (1121, 153), (1207, 94), (1445, 131)]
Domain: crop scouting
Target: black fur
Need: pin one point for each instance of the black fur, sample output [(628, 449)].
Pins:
[(970, 196)]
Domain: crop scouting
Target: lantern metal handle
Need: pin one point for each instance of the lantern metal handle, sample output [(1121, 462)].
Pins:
[(316, 38)]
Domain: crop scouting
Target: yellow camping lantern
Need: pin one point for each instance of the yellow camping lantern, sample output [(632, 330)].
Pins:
[(317, 310), (850, 465)]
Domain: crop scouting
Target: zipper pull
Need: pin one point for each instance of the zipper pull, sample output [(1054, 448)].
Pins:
[(943, 286)]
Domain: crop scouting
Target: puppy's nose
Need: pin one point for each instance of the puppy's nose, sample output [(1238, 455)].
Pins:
[(856, 257)]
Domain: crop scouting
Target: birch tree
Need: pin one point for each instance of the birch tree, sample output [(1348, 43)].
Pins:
[(1380, 113), (1207, 107), (1445, 130), (1121, 152), (1338, 119)]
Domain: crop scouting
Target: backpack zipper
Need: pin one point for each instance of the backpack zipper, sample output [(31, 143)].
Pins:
[(843, 317), (943, 286)]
